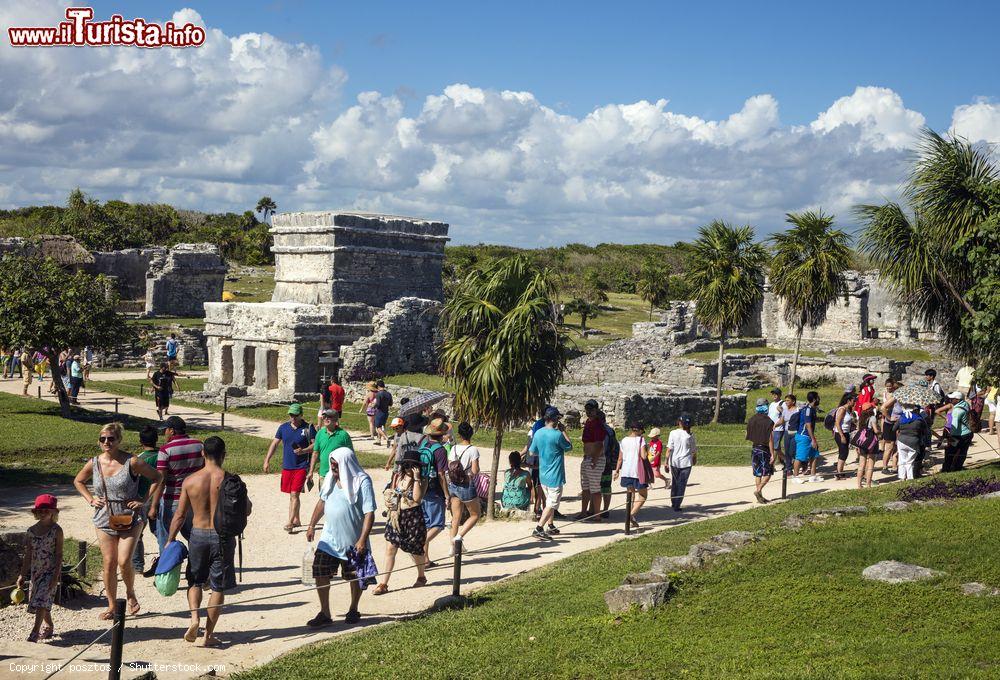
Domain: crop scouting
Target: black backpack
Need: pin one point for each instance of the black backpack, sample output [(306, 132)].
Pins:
[(231, 511), (830, 422)]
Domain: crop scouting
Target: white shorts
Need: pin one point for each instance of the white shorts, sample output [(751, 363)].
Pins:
[(992, 405), (590, 475), (553, 494)]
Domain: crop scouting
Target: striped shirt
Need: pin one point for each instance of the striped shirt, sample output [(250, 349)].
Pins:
[(178, 458)]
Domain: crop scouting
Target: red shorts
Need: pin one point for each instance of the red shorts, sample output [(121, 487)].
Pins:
[(293, 481)]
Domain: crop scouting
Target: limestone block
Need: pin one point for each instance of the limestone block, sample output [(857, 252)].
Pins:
[(645, 577), (644, 596), (891, 571), (666, 565)]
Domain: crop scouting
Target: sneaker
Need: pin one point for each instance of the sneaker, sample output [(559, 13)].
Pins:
[(319, 621), (552, 530), (799, 480), (540, 533), (815, 478), (559, 515), (353, 616)]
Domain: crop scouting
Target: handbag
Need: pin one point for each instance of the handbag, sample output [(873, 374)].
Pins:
[(116, 522), (645, 468)]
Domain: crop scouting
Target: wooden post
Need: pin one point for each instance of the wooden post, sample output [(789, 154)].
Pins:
[(117, 641), (116, 405), (39, 391), (141, 389), (456, 580), (628, 512)]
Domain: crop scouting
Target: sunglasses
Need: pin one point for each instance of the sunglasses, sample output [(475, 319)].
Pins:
[(105, 440)]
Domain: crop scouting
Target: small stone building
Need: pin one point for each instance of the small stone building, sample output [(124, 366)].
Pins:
[(349, 287)]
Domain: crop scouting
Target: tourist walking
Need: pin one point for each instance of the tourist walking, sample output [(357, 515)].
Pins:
[(26, 372), (634, 469), (656, 455), (866, 395), (347, 506), (368, 406), (760, 427), (118, 510), (405, 528), (866, 441), (211, 557), (42, 565), (891, 410), (392, 461), (682, 454), (88, 361), (295, 437), (434, 462), (550, 444), (806, 446), (531, 463), (383, 402), (592, 464), (330, 437), (778, 432), (960, 435), (789, 421), (150, 360), (333, 397), (172, 346), (149, 493), (163, 388), (463, 466), (611, 451), (179, 457), (844, 419), (910, 436), (516, 484), (75, 378)]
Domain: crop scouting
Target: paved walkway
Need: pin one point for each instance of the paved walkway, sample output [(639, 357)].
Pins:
[(257, 632)]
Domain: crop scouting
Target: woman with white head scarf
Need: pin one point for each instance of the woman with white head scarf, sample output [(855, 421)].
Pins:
[(347, 506)]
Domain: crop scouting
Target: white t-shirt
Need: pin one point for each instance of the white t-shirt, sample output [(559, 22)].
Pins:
[(630, 447), (774, 413), (682, 446), (465, 453)]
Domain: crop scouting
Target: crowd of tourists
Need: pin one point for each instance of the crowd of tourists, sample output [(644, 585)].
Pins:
[(73, 368), (177, 485), (896, 429)]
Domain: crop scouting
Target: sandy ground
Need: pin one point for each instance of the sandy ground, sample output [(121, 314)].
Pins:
[(257, 632)]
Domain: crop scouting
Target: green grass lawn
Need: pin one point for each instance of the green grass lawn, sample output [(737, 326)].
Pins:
[(792, 606), (252, 288), (617, 324), (894, 353), (41, 447), (713, 355), (165, 323)]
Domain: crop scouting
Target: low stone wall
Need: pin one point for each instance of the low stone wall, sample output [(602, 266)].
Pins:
[(650, 404), (181, 280), (404, 339), (192, 351)]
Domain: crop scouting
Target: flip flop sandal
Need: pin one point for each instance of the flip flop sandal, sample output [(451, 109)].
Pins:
[(46, 633), (380, 589), (288, 528), (421, 581)]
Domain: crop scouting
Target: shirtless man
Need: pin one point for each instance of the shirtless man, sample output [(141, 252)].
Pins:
[(210, 560)]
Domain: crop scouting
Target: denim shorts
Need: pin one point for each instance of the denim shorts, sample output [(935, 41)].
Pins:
[(463, 493), (632, 483), (433, 506)]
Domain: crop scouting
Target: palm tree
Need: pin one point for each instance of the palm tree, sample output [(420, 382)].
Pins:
[(266, 206), (502, 350), (726, 274), (953, 191), (807, 271), (653, 285)]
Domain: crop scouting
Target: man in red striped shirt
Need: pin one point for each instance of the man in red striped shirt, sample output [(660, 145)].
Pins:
[(180, 456)]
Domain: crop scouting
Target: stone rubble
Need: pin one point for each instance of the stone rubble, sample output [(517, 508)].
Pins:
[(891, 571)]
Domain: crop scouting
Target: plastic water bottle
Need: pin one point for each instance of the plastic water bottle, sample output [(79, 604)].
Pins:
[(307, 566)]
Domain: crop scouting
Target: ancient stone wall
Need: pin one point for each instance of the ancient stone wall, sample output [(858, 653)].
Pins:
[(332, 257), (404, 340), (181, 280), (127, 267), (193, 350), (650, 404)]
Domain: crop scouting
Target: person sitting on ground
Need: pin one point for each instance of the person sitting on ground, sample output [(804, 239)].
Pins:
[(760, 427), (806, 446), (516, 484), (435, 472), (118, 510), (843, 426), (631, 467), (347, 506), (550, 444), (463, 466), (211, 558), (405, 528), (682, 453), (592, 464), (295, 437), (42, 565)]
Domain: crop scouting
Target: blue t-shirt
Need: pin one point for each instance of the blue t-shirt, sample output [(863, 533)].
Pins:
[(295, 437), (807, 414), (342, 520), (551, 447), (171, 348)]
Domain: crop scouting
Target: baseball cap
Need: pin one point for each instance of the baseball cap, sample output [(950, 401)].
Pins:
[(955, 395), (295, 409), (761, 401), (329, 413), (685, 418), (552, 413), (45, 501), (175, 423), (397, 422)]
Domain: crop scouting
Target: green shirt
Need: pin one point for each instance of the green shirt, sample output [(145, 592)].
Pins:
[(149, 458), (326, 442), (960, 419)]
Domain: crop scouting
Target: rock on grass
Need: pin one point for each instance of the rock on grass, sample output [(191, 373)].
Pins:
[(666, 565), (891, 571), (644, 596)]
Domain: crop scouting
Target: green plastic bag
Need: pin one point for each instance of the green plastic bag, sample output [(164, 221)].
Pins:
[(166, 584)]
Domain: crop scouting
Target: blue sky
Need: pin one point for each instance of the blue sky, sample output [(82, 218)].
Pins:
[(527, 123)]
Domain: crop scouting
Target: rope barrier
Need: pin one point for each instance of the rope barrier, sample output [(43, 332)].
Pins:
[(73, 658)]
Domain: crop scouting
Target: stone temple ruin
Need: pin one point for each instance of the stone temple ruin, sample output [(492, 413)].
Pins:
[(355, 293)]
